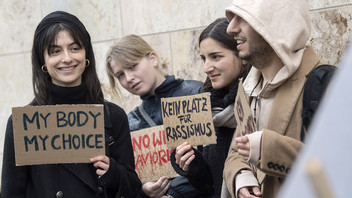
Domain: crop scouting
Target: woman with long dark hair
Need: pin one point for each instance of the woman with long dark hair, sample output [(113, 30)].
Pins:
[(63, 66), (204, 167)]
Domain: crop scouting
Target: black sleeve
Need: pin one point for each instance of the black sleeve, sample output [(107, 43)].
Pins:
[(13, 178), (198, 174), (121, 174)]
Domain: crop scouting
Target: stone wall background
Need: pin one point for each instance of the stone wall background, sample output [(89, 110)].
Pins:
[(171, 27)]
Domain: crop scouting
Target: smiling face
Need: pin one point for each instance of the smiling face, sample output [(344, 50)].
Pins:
[(220, 64), (139, 79), (65, 61), (251, 45)]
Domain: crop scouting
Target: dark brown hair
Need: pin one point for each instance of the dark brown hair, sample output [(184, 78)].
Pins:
[(45, 34), (217, 31)]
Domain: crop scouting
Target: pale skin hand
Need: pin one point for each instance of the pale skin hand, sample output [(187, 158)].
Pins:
[(184, 155), (243, 146), (156, 189), (101, 163), (244, 150), (245, 192)]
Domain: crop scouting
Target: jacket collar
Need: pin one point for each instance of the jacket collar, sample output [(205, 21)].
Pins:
[(163, 90), (290, 92)]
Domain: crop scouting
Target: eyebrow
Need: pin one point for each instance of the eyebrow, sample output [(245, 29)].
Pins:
[(214, 53), (54, 45)]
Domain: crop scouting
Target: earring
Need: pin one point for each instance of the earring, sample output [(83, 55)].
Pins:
[(44, 69), (87, 63)]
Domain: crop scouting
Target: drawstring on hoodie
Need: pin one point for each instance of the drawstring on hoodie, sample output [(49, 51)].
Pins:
[(256, 98)]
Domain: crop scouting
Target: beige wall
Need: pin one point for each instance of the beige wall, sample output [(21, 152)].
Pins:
[(170, 26)]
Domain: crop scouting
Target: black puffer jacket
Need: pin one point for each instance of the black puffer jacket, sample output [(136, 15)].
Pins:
[(171, 87)]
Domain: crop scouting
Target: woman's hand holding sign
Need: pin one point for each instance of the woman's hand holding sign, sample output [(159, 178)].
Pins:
[(158, 188), (184, 155), (101, 163)]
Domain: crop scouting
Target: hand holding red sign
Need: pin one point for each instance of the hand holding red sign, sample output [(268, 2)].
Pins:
[(158, 188)]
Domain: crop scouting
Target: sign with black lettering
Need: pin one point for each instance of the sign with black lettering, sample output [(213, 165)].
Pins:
[(151, 154), (58, 133), (188, 119), (243, 113)]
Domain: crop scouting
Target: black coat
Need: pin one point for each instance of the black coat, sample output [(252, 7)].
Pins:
[(205, 171), (76, 180)]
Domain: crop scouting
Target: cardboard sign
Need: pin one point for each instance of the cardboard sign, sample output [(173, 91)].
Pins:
[(151, 155), (188, 119), (58, 134), (243, 113)]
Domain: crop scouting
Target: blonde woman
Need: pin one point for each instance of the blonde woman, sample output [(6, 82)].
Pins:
[(135, 65)]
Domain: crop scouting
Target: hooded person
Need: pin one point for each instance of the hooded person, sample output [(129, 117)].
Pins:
[(272, 36)]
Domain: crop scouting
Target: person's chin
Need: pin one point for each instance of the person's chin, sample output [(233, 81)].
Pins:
[(217, 86), (134, 92), (141, 93), (244, 55)]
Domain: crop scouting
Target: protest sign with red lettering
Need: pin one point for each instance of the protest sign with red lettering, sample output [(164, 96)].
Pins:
[(151, 154)]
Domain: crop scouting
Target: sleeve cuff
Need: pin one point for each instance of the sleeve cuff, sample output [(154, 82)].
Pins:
[(245, 178), (111, 177), (193, 169), (255, 144)]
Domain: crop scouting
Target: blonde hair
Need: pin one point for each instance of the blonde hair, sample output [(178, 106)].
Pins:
[(128, 51)]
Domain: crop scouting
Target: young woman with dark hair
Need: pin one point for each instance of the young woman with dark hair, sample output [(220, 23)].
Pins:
[(64, 73), (204, 166)]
